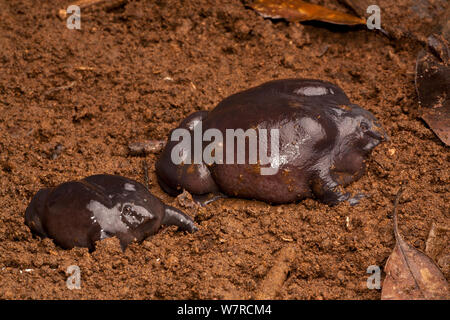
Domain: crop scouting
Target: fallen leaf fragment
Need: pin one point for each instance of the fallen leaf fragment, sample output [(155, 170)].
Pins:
[(297, 10), (411, 274), (433, 87), (437, 246)]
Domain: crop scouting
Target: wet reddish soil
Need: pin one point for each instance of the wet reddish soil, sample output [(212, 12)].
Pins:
[(72, 100)]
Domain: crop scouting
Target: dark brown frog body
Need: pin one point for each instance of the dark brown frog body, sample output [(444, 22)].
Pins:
[(324, 141), (79, 213)]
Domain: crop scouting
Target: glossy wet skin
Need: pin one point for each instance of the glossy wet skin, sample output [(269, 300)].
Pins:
[(78, 213), (324, 142)]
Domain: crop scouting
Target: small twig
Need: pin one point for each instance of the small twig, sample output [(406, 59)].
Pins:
[(276, 276), (70, 85), (62, 13), (394, 212), (145, 147), (145, 167)]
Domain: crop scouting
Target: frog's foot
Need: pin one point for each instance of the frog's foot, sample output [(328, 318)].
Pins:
[(205, 199), (176, 217), (333, 197)]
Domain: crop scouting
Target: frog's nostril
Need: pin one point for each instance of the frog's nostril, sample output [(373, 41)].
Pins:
[(378, 133), (383, 135)]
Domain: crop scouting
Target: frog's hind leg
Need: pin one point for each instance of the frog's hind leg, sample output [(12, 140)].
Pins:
[(205, 199), (35, 211), (166, 187), (174, 176), (173, 216)]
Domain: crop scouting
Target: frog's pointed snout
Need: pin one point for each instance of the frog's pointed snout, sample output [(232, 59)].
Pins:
[(374, 129), (378, 133), (178, 218)]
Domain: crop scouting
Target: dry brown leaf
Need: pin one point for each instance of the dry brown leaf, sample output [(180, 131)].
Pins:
[(437, 247), (439, 121), (297, 10), (433, 87), (411, 274)]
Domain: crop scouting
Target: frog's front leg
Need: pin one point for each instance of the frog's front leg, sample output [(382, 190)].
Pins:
[(329, 191)]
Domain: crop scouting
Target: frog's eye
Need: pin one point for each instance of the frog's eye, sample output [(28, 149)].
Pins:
[(364, 126)]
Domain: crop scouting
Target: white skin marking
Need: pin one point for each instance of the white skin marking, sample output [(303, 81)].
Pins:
[(133, 220), (129, 187), (141, 211), (191, 125), (311, 91), (108, 219)]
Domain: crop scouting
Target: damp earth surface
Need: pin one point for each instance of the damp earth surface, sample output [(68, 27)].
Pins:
[(72, 100)]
